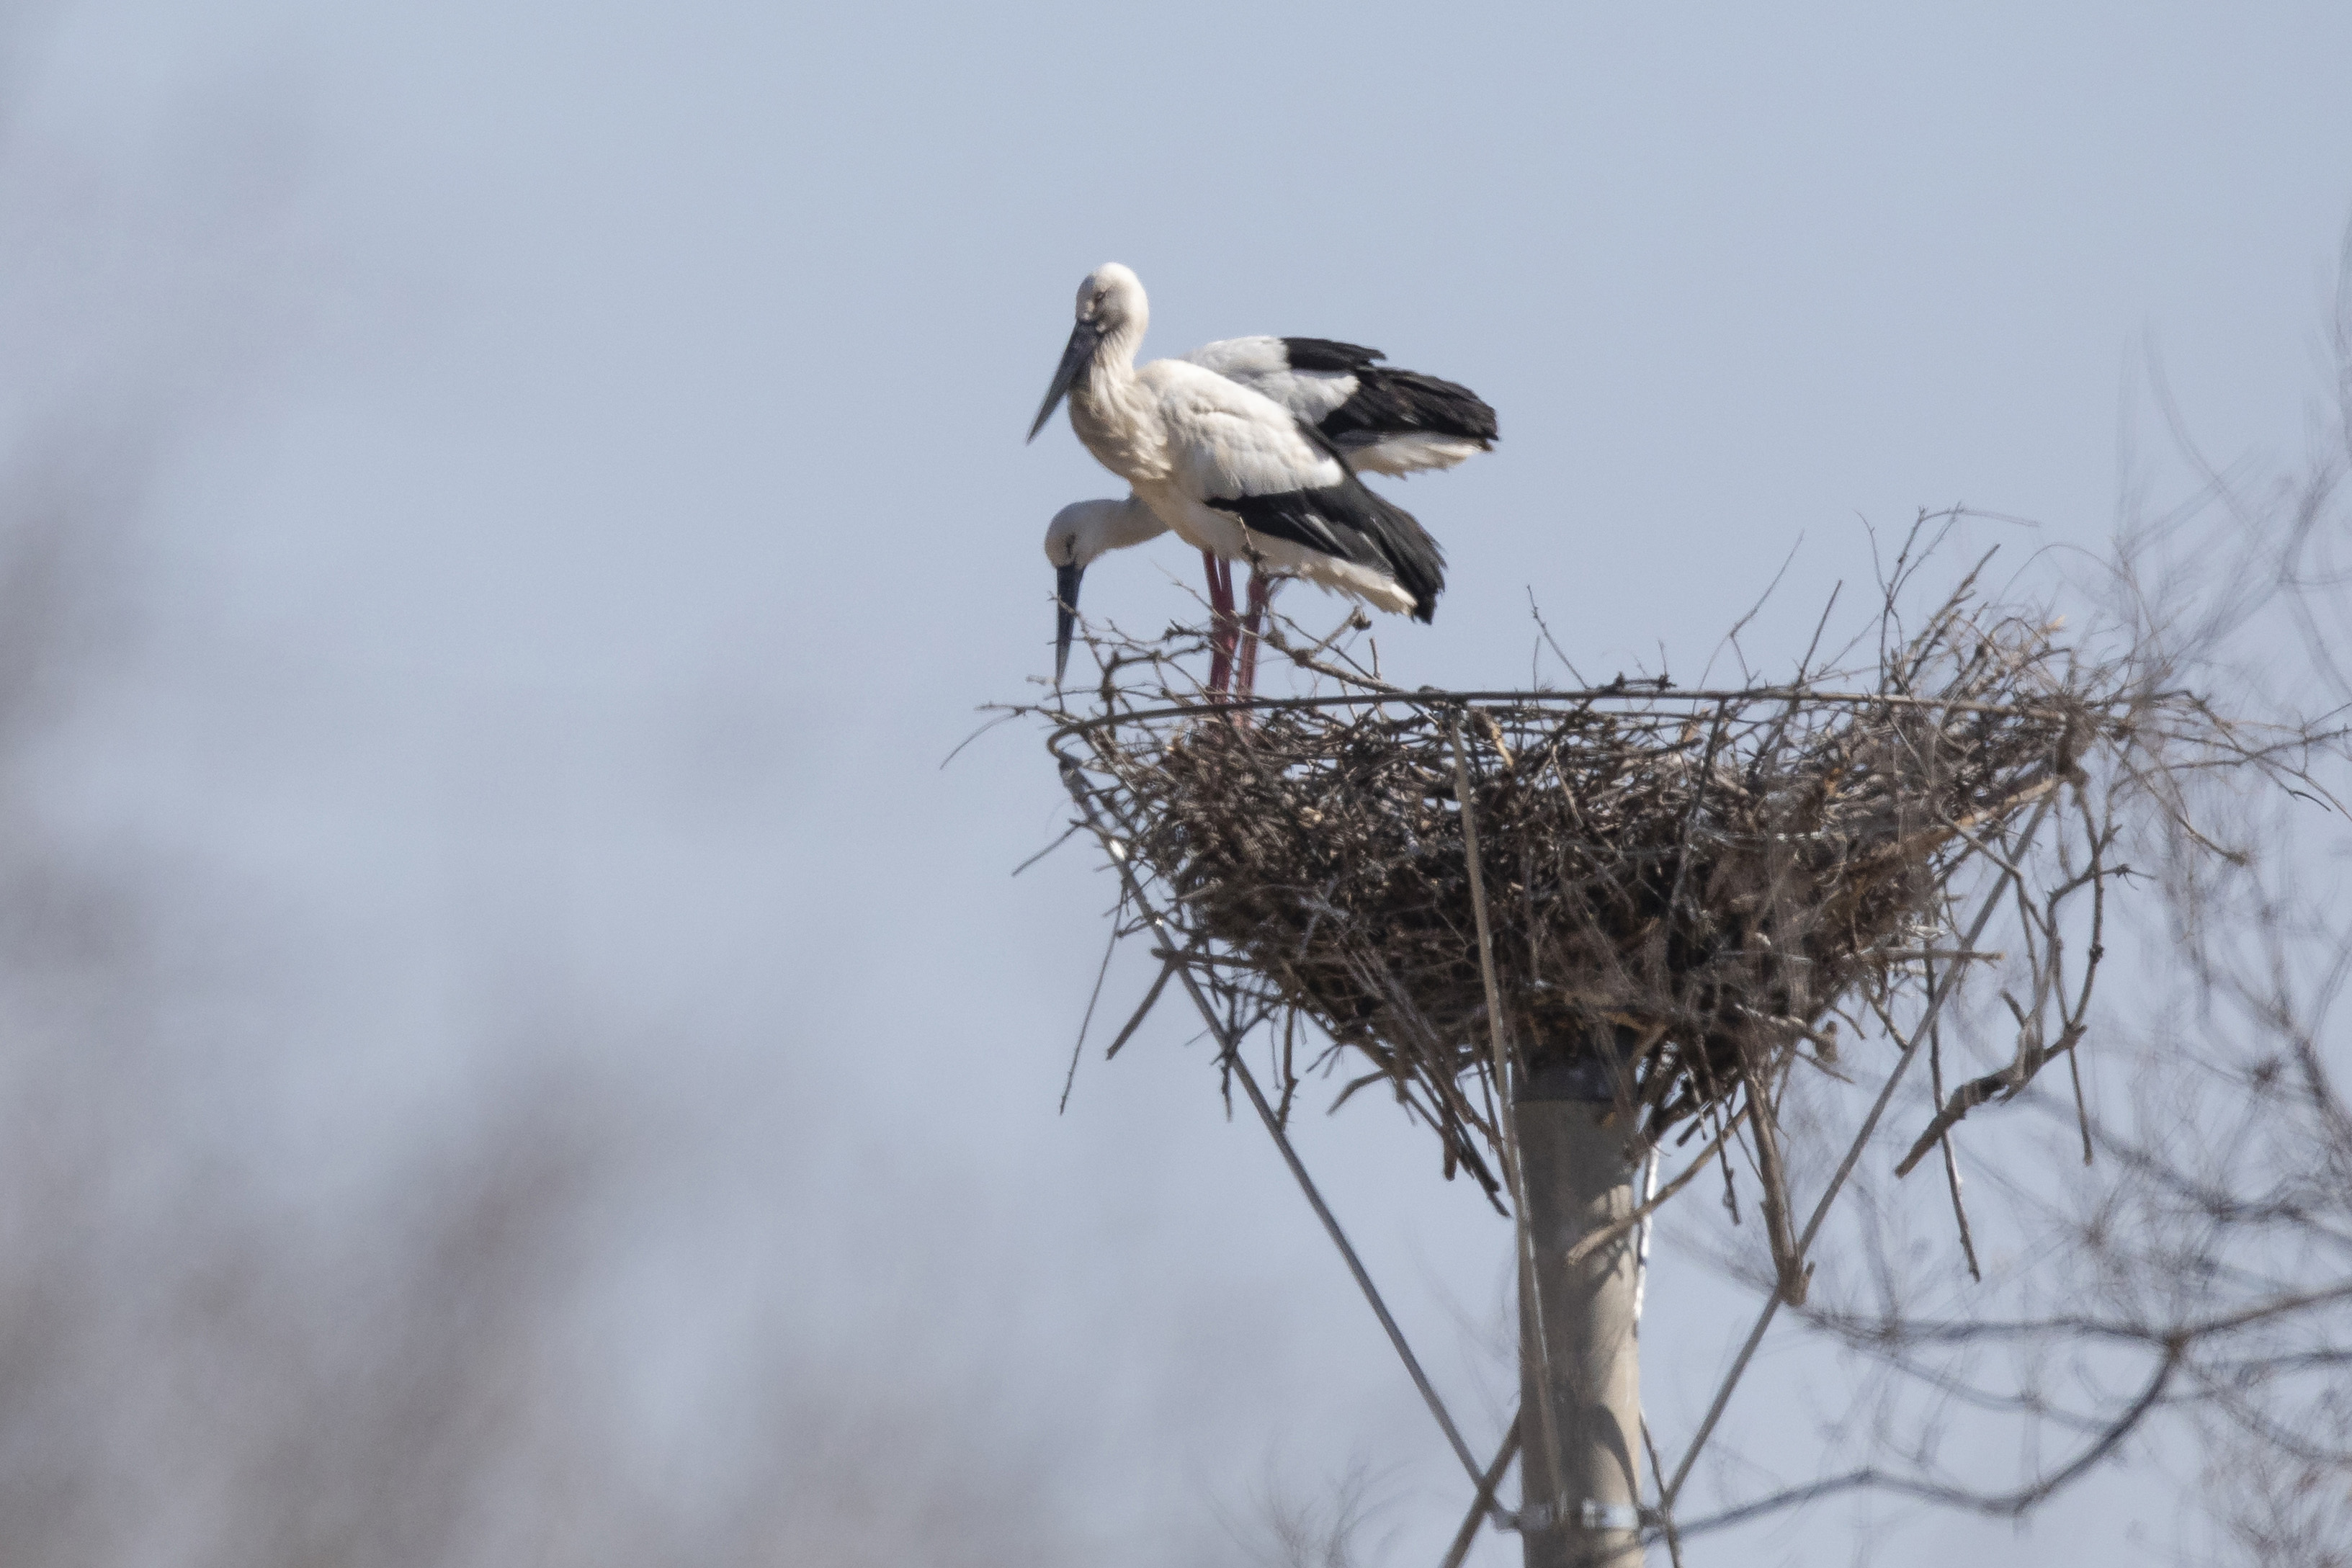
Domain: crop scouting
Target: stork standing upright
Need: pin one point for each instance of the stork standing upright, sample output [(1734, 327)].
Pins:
[(1232, 472)]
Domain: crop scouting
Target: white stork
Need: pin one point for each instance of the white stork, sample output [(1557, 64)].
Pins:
[(1234, 473), (1085, 531)]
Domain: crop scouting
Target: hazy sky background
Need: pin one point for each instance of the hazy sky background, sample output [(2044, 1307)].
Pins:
[(571, 492)]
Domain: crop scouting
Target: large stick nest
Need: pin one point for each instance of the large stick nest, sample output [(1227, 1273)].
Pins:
[(1674, 894), (1685, 890)]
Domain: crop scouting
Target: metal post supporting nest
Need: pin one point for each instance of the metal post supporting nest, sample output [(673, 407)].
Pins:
[(1579, 1360), (1579, 1368)]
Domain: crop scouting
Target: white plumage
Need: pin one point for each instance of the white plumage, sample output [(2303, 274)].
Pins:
[(1084, 531), (1244, 474)]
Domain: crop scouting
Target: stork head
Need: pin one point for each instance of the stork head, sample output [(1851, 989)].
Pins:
[(1079, 533), (1111, 298), (1110, 304), (1070, 543)]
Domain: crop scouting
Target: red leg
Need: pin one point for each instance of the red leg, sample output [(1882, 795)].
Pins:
[(1233, 620), (1261, 589), (1221, 619)]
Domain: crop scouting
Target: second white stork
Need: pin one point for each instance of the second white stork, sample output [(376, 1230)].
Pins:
[(1085, 531), (1079, 533), (1232, 472)]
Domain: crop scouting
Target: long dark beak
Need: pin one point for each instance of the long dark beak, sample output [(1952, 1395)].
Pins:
[(1075, 355), (1066, 615)]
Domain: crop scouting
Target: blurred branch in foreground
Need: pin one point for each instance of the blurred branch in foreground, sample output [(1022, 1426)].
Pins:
[(2187, 1302)]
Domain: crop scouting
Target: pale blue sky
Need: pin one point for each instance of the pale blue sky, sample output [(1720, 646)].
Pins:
[(584, 499)]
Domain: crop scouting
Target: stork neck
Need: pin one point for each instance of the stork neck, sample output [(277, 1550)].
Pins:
[(1114, 360), (1131, 524), (1110, 383), (1112, 414)]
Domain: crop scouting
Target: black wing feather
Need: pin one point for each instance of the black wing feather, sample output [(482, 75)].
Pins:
[(1327, 354), (1395, 402), (1353, 522)]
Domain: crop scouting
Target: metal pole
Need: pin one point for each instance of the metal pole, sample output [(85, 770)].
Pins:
[(1578, 1351)]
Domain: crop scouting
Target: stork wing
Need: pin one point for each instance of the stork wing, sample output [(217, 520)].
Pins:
[(1390, 421), (1240, 358), (1248, 457), (1307, 377), (1227, 441)]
